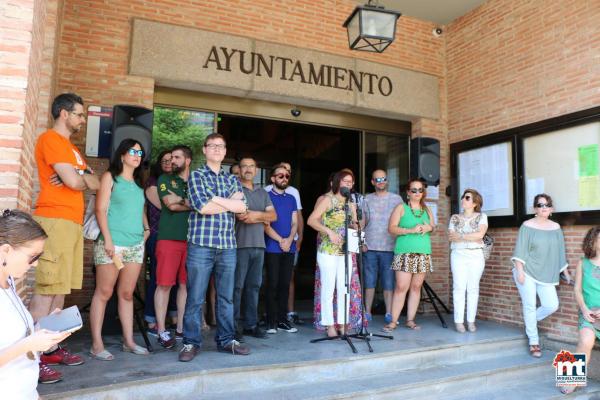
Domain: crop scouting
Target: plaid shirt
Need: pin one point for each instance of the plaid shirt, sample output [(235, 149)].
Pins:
[(215, 230)]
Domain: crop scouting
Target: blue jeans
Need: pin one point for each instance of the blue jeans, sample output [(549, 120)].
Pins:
[(201, 262), (378, 263), (248, 278)]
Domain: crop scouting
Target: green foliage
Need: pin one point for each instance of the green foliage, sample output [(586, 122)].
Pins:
[(174, 127)]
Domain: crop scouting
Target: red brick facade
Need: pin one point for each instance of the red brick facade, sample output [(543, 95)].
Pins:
[(502, 65)]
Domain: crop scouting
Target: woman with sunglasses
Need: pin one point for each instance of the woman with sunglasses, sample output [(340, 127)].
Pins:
[(412, 223), (119, 250), (538, 259), (21, 244), (328, 219), (466, 231)]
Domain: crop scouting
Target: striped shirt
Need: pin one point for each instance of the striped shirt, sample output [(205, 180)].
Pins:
[(215, 230)]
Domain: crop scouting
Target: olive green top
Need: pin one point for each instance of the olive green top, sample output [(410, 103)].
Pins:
[(542, 253), (413, 242)]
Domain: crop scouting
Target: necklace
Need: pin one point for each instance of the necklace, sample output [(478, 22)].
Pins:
[(22, 313), (418, 214)]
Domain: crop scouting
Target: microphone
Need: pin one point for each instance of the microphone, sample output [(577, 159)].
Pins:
[(344, 191)]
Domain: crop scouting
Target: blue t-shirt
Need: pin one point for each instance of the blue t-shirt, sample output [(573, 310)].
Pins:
[(285, 205)]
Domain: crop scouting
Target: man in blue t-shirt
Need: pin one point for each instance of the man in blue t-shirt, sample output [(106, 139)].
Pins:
[(280, 251)]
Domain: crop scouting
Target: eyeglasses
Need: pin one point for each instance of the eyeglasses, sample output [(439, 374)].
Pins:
[(543, 205), (135, 152), (166, 162), (467, 197), (78, 115), (213, 146), (380, 180), (282, 176), (416, 190)]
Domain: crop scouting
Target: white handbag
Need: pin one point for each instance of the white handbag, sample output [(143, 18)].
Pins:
[(91, 230)]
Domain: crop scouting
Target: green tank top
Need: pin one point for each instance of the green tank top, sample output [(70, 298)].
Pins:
[(590, 285), (125, 213), (413, 242)]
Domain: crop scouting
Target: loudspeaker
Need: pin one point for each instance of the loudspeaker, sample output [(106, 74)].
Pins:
[(425, 160), (131, 122)]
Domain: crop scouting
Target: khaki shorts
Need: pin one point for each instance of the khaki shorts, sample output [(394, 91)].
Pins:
[(60, 268)]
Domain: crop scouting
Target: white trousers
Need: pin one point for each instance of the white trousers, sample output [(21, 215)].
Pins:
[(467, 268), (548, 304), (333, 277)]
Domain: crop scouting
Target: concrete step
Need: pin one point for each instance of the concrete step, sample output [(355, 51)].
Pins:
[(352, 375)]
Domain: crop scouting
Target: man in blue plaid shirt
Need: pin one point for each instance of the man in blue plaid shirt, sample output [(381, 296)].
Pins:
[(215, 197)]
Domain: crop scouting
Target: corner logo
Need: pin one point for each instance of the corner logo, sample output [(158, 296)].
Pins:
[(571, 369)]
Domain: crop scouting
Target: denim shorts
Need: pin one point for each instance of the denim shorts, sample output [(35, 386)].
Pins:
[(378, 263)]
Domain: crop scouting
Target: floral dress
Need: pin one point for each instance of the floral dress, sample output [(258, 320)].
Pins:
[(334, 219)]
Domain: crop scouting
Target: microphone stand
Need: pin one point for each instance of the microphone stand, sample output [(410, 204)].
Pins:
[(347, 275), (364, 333)]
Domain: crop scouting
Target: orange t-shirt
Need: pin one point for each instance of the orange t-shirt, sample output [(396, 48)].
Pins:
[(58, 201)]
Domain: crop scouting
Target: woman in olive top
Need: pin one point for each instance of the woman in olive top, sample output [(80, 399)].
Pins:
[(119, 250), (538, 259), (412, 223)]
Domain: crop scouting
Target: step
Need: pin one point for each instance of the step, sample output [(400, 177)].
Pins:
[(325, 373)]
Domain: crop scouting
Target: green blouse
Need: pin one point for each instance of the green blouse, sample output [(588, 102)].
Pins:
[(590, 285), (413, 242), (542, 253)]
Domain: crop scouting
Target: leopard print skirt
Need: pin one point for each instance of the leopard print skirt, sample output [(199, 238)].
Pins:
[(415, 263)]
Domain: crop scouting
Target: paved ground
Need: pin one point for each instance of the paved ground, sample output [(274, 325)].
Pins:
[(280, 348)]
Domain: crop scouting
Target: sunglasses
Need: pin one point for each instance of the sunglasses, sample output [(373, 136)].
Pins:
[(467, 197), (543, 205), (380, 180), (416, 190), (282, 176), (135, 152)]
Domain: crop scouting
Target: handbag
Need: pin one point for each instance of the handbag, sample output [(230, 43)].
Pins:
[(91, 230), (488, 245)]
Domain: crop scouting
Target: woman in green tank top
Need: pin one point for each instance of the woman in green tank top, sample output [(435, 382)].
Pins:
[(412, 224), (587, 295), (119, 251)]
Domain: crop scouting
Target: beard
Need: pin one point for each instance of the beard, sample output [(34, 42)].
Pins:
[(281, 186), (175, 169)]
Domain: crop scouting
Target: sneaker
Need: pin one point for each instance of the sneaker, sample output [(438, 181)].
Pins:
[(48, 375), (152, 332), (61, 356), (272, 329), (285, 326), (387, 318), (294, 318), (234, 347), (178, 335), (256, 332), (187, 352), (166, 340)]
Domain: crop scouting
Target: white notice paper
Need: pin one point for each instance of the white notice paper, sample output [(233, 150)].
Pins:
[(433, 207), (433, 192)]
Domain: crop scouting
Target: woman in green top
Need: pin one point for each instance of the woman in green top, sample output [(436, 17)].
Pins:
[(119, 251), (538, 259), (587, 294), (412, 224)]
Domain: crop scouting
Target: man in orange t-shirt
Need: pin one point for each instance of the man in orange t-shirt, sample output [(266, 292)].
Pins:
[(63, 176)]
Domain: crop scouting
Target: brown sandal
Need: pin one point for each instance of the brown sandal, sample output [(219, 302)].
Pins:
[(535, 351), (390, 327), (410, 324)]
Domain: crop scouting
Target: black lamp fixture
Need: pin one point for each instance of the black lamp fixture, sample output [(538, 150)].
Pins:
[(371, 28)]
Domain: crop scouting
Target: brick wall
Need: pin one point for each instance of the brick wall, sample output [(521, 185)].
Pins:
[(510, 63)]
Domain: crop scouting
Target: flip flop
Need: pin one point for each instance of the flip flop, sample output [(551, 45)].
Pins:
[(104, 355), (389, 328), (139, 350)]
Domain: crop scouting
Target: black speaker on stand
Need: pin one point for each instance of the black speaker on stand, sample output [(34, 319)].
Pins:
[(425, 160), (132, 122)]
